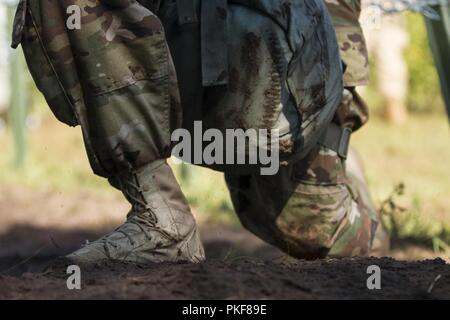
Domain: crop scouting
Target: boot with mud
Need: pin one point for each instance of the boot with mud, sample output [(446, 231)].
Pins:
[(159, 228)]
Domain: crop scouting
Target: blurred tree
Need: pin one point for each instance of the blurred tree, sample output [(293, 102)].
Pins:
[(439, 37), (425, 94), (4, 51), (17, 107)]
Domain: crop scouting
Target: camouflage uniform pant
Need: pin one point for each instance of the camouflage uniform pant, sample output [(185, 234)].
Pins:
[(115, 77), (311, 209), (317, 207)]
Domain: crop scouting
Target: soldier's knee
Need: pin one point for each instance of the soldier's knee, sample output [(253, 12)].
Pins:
[(307, 219), (314, 218)]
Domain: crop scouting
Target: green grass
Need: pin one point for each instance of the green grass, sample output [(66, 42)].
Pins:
[(55, 159), (412, 227), (416, 155), (206, 191)]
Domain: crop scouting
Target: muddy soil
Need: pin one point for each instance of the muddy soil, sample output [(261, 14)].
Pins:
[(240, 279), (33, 233)]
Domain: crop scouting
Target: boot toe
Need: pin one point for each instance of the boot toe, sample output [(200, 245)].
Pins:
[(88, 256)]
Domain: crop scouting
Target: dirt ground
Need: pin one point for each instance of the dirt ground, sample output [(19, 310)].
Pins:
[(37, 227)]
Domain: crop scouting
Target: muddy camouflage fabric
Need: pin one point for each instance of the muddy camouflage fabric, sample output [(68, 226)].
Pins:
[(319, 209), (309, 210), (282, 71), (353, 112), (116, 79), (346, 14)]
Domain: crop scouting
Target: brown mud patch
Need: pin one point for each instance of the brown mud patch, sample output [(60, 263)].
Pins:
[(239, 279)]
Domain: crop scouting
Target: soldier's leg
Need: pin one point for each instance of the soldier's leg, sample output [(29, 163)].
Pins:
[(307, 215), (315, 208), (310, 214), (116, 75), (354, 113), (298, 215)]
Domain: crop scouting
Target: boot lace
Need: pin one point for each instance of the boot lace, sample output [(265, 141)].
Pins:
[(141, 214)]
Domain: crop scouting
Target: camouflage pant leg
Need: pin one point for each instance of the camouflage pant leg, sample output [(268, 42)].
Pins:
[(114, 76), (312, 209), (303, 218)]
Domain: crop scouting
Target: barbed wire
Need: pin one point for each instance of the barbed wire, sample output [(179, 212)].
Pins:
[(419, 6)]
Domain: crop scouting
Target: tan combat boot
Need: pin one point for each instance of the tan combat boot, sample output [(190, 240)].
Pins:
[(159, 228)]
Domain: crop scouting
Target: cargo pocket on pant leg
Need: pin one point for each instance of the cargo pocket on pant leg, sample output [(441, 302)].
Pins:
[(27, 32), (131, 101)]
